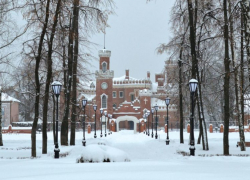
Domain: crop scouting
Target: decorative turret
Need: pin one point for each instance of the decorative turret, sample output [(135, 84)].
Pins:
[(104, 65)]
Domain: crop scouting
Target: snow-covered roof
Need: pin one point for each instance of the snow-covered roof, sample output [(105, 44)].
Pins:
[(131, 80), (157, 101), (89, 97), (123, 78), (6, 97), (145, 92), (87, 85)]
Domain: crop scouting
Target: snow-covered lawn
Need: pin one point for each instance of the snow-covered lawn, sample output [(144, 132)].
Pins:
[(148, 158)]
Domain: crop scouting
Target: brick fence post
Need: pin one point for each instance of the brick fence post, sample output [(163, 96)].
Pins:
[(188, 128), (211, 128), (221, 128)]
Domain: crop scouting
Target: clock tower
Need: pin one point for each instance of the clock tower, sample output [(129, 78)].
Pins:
[(104, 83)]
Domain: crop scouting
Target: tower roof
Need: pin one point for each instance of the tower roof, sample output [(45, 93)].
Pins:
[(104, 53)]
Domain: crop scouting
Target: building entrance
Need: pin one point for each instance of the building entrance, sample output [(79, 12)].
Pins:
[(129, 121)]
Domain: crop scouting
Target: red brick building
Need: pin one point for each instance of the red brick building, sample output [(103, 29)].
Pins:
[(127, 98)]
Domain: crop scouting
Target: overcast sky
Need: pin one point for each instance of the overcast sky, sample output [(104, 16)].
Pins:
[(135, 32)]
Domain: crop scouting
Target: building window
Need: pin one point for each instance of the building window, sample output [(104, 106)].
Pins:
[(114, 94), (104, 101), (132, 97), (2, 111), (114, 106), (104, 67), (121, 94)]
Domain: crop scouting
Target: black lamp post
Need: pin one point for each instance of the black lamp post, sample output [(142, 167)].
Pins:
[(105, 113), (192, 85), (139, 126), (167, 100), (101, 110), (109, 123), (156, 121), (152, 112), (95, 108), (148, 113), (144, 117), (110, 117), (84, 103), (56, 86)]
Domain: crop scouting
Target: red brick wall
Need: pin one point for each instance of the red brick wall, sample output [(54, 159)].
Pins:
[(104, 59)]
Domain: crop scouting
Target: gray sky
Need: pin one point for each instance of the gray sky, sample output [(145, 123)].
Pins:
[(135, 32)]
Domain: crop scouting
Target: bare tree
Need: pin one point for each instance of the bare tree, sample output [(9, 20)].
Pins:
[(226, 82)]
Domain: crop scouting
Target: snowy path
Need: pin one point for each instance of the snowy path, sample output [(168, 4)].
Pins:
[(150, 159)]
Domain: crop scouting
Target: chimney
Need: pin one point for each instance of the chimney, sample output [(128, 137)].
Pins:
[(148, 75), (127, 74)]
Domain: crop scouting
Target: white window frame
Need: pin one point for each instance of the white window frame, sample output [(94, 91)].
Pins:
[(113, 94), (106, 101), (106, 66), (120, 94)]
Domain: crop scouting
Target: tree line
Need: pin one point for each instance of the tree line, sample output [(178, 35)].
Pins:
[(210, 43), (56, 47)]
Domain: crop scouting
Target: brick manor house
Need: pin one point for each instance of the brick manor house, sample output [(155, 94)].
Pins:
[(127, 98)]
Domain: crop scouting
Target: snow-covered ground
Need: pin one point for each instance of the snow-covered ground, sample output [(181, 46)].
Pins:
[(148, 158)]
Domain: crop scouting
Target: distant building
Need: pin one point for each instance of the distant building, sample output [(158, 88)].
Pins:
[(10, 110), (127, 98)]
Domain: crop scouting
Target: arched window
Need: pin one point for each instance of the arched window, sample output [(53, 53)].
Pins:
[(104, 101), (104, 67)]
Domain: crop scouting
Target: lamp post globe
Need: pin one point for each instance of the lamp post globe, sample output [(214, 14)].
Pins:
[(167, 101), (105, 113), (95, 108), (84, 103), (152, 121), (101, 111), (192, 85), (56, 86), (156, 121)]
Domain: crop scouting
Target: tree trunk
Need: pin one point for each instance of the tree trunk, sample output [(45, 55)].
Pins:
[(226, 83), (246, 13), (203, 128), (1, 137), (67, 90), (193, 54), (74, 87), (237, 111), (37, 82), (180, 95), (48, 80), (192, 38), (241, 119)]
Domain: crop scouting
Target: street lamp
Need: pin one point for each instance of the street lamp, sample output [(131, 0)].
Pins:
[(110, 117), (192, 86), (167, 100), (109, 122), (84, 103), (145, 117), (156, 120), (139, 126), (95, 108), (148, 113), (56, 86), (152, 112), (105, 113), (101, 110)]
